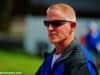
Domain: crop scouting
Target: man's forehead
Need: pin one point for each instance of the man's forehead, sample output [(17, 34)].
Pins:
[(61, 12), (58, 12), (55, 14), (53, 11)]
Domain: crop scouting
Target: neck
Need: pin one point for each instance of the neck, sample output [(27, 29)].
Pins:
[(62, 45)]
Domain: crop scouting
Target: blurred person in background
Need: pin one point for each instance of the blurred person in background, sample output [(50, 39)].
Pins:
[(91, 39), (67, 58)]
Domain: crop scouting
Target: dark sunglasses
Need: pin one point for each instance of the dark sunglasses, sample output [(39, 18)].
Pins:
[(55, 23)]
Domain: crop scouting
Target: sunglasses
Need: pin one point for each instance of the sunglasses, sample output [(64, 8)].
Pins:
[(55, 23)]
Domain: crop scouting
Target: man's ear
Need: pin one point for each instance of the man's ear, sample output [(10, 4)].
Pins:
[(73, 24)]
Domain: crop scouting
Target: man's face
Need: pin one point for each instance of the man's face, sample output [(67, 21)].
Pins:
[(58, 34)]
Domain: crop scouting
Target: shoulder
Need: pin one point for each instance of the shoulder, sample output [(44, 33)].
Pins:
[(76, 63), (80, 61), (77, 55)]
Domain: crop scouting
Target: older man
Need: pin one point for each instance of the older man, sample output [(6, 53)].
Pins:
[(67, 57)]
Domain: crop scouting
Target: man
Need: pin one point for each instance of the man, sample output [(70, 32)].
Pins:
[(91, 39), (67, 57)]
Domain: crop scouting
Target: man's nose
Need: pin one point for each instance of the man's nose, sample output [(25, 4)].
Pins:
[(50, 27)]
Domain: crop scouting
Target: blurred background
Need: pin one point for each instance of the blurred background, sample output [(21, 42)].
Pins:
[(23, 37)]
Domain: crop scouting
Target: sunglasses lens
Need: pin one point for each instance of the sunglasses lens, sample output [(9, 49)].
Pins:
[(55, 23)]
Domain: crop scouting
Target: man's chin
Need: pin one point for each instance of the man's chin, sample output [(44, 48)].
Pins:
[(54, 41)]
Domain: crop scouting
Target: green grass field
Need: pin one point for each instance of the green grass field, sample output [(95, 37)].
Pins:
[(19, 62)]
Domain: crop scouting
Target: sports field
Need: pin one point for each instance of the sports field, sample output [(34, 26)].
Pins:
[(19, 62)]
